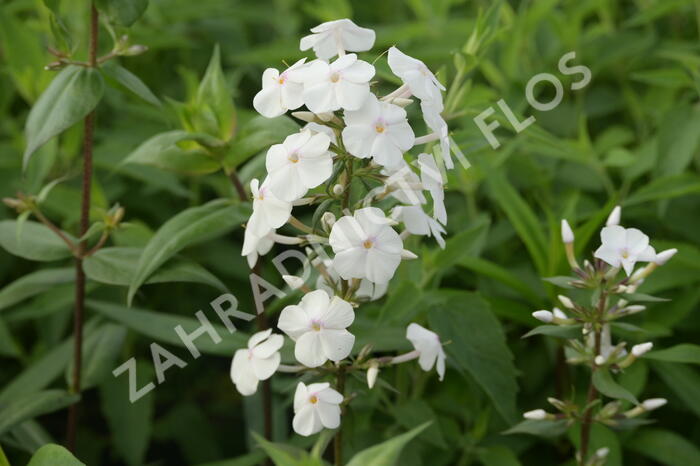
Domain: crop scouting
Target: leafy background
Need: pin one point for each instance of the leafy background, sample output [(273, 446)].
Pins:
[(630, 137)]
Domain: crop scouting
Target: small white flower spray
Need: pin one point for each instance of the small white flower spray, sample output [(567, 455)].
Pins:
[(610, 282), (350, 163)]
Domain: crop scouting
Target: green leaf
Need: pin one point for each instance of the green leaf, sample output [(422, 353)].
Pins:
[(33, 284), (478, 346), (521, 217), (187, 228), (214, 101), (42, 372), (37, 242), (72, 94), (604, 382), (683, 380), (257, 135), (686, 352), (498, 455), (100, 352), (31, 405), (543, 428), (116, 266), (165, 151), (285, 455), (386, 453), (567, 332), (121, 77), (664, 446), (123, 12), (667, 187), (129, 423), (161, 327), (464, 244), (54, 455)]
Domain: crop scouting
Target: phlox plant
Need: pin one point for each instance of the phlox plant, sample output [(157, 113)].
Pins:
[(607, 293), (351, 163)]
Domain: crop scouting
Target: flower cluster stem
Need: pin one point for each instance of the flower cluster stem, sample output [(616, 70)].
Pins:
[(78, 317), (338, 439)]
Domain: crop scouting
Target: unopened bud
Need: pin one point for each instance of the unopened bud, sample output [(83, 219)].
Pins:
[(565, 301), (408, 255), (600, 360), (338, 189), (614, 217), (293, 281), (642, 348), (134, 50), (308, 117), (559, 314), (602, 452), (401, 102), (560, 405), (537, 415), (567, 235), (543, 316), (328, 220), (653, 403), (665, 256), (372, 374)]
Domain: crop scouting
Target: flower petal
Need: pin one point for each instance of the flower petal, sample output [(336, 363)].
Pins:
[(336, 344), (309, 350)]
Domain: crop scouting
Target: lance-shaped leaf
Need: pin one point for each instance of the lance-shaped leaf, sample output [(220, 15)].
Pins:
[(171, 151), (33, 284), (54, 455), (189, 227), (386, 453), (123, 12), (36, 242), (120, 77), (216, 112), (604, 382), (72, 94), (100, 351), (30, 405)]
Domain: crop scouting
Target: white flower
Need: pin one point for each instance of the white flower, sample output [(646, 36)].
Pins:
[(372, 374), (280, 92), (269, 212), (420, 80), (318, 326), (341, 84), (434, 120), (300, 163), (316, 406), (428, 345), (367, 291), (404, 183), (255, 246), (624, 247), (378, 130), (341, 35), (317, 128), (365, 246), (431, 177), (257, 362), (419, 223), (536, 415)]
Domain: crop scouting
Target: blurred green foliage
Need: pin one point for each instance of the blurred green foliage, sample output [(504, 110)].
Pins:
[(632, 137)]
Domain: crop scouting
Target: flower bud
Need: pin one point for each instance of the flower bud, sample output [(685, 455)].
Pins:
[(560, 405), (559, 314), (665, 256), (602, 452), (567, 235), (614, 218), (134, 50), (293, 281), (565, 301), (408, 255), (642, 348), (401, 102), (599, 360), (543, 316), (536, 415), (308, 117), (372, 373), (338, 189), (653, 403), (328, 220)]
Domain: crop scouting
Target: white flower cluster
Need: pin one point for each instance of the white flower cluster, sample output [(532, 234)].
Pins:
[(348, 127)]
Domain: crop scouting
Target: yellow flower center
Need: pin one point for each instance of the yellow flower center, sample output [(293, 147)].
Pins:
[(293, 157), (625, 254), (281, 80), (379, 128), (367, 244), (316, 326), (313, 399), (335, 77)]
